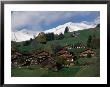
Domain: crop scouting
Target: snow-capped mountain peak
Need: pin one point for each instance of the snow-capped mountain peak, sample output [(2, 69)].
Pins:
[(72, 27)]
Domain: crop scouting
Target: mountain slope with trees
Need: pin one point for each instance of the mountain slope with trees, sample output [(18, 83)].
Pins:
[(59, 55)]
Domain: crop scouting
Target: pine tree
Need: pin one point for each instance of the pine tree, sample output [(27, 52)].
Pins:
[(50, 36), (61, 36), (66, 30), (98, 25), (89, 41)]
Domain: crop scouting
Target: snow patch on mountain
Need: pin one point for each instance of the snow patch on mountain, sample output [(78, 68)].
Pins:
[(22, 35)]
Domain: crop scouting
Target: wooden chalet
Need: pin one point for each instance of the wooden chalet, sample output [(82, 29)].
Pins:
[(75, 34), (79, 45), (66, 55), (44, 59), (87, 52), (15, 58)]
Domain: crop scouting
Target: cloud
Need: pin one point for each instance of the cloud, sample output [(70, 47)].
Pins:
[(36, 20), (97, 20)]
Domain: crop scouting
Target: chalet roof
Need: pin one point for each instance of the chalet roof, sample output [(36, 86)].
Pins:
[(17, 53), (67, 46), (66, 55), (89, 50), (26, 54), (62, 52), (43, 53)]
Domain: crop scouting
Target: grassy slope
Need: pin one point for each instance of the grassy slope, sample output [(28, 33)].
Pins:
[(67, 40), (81, 38), (92, 70)]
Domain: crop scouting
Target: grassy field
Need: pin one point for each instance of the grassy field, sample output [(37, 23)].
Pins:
[(80, 70), (43, 72)]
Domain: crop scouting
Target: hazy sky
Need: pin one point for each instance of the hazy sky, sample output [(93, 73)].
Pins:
[(43, 20)]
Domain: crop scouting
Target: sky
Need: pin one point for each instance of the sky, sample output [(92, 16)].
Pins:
[(44, 20)]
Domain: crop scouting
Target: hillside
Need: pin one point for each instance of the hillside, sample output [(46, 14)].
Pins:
[(59, 57), (82, 37)]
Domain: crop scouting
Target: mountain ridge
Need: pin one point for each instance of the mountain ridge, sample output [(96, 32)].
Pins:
[(25, 34)]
